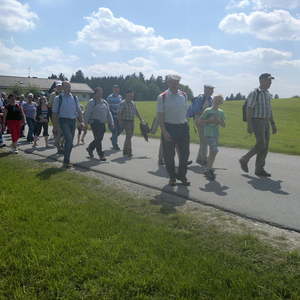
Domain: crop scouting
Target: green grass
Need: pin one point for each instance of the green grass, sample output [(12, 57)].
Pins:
[(286, 113), (65, 236)]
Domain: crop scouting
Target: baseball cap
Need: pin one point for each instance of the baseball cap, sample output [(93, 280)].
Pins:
[(265, 76), (207, 86)]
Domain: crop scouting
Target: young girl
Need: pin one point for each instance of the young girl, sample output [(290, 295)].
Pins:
[(14, 118), (82, 129), (42, 120)]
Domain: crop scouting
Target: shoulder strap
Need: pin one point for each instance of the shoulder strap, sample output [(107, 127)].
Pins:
[(60, 99)]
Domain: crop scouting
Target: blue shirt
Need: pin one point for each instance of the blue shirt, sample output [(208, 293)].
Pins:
[(203, 102), (69, 108), (29, 109), (114, 103)]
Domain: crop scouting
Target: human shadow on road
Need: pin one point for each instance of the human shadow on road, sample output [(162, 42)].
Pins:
[(215, 187), (47, 173), (124, 159), (86, 165), (196, 169), (160, 172), (266, 184), (168, 200)]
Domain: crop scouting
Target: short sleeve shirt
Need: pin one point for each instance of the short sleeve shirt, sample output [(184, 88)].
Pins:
[(212, 130), (261, 103), (174, 107)]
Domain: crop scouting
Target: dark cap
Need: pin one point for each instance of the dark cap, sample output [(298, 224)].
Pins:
[(265, 76), (116, 86)]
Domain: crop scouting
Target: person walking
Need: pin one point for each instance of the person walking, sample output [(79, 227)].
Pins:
[(114, 101), (41, 122), (97, 114), (29, 108), (259, 119), (14, 117), (172, 107), (65, 111), (126, 114)]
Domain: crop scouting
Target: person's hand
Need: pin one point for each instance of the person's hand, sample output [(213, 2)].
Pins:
[(250, 129), (167, 136), (274, 128)]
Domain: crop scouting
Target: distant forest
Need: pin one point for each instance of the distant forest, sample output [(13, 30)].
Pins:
[(144, 89)]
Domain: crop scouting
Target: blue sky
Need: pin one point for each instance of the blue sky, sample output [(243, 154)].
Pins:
[(227, 43)]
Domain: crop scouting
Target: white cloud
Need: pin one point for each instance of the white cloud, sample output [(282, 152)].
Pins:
[(275, 25), (15, 16), (264, 4)]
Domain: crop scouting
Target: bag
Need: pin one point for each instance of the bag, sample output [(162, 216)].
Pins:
[(194, 108), (244, 108)]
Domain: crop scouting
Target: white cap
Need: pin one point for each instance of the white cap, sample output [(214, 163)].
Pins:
[(173, 77)]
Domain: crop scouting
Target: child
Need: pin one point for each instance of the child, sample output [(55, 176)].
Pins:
[(211, 118), (82, 129)]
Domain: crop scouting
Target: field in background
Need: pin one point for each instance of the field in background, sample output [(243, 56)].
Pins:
[(286, 113)]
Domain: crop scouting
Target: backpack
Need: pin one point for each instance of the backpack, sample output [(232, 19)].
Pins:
[(244, 108)]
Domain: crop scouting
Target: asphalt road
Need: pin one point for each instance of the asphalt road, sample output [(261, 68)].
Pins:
[(274, 200)]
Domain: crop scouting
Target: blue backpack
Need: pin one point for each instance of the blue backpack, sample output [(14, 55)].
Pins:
[(194, 108)]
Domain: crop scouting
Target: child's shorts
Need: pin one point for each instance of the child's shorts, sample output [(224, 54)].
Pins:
[(212, 143)]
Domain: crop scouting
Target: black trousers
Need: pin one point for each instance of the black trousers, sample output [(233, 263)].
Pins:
[(181, 139), (98, 130)]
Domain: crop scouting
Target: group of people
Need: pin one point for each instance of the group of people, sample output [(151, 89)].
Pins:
[(173, 111)]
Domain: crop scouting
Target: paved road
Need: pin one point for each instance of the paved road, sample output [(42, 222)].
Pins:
[(274, 200)]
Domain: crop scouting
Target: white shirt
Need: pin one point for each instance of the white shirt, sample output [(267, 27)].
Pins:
[(174, 107)]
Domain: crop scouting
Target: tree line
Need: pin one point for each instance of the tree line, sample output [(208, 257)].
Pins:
[(144, 89)]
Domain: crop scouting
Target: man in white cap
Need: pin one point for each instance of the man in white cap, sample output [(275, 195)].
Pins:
[(172, 107), (195, 111), (259, 118)]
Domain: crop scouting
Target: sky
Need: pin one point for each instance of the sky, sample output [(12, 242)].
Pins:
[(225, 43)]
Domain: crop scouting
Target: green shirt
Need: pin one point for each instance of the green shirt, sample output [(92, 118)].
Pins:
[(212, 130)]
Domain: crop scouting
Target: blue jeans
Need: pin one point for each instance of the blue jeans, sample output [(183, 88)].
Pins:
[(31, 124), (67, 127), (115, 133)]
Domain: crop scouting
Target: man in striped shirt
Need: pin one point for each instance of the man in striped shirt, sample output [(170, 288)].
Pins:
[(259, 118)]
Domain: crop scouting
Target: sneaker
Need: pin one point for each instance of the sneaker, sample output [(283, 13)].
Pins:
[(210, 175), (16, 151), (183, 180), (67, 165), (244, 165), (117, 148), (172, 182), (189, 162), (91, 155), (102, 158), (262, 173)]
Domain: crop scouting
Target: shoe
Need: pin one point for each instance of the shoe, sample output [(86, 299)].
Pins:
[(16, 151), (201, 162), (189, 162), (244, 165), (262, 173), (91, 155), (67, 165), (210, 175), (117, 148), (102, 158), (172, 182), (183, 180)]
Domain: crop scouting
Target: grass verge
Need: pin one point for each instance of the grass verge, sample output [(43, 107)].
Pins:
[(66, 236)]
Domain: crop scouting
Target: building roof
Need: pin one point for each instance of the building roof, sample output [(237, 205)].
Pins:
[(43, 84)]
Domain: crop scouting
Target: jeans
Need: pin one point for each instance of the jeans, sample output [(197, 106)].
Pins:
[(181, 138), (67, 127), (115, 133), (261, 129), (98, 130), (31, 124)]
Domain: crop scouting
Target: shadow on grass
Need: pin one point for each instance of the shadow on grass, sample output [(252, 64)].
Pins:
[(266, 184), (215, 187), (168, 202), (47, 173), (4, 154)]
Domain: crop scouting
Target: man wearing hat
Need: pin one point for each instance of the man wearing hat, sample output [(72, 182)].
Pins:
[(172, 107), (114, 101), (259, 119), (202, 102)]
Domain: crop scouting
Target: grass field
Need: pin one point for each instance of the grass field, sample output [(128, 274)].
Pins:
[(65, 236), (286, 114)]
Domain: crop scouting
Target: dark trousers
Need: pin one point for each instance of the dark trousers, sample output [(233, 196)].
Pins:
[(67, 127), (129, 130), (181, 138), (261, 129), (31, 123), (98, 130)]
